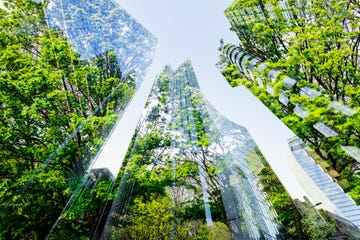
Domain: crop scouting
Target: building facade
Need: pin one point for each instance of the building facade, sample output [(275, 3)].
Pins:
[(97, 27), (102, 35), (272, 61), (224, 157)]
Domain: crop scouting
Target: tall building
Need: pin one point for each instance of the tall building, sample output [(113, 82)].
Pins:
[(96, 27), (179, 127), (95, 55), (306, 92), (275, 59), (105, 35)]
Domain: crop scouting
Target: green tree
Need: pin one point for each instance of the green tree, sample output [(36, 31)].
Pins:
[(281, 202), (29, 209), (56, 111), (150, 220)]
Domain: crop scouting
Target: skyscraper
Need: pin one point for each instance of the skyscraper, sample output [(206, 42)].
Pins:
[(198, 158), (304, 91), (84, 62), (278, 56), (96, 27)]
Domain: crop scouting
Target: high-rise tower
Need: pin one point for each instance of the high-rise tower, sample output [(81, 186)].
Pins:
[(96, 27), (81, 63), (204, 167), (99, 30), (286, 58)]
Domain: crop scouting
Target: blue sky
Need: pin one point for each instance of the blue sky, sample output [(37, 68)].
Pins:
[(186, 30)]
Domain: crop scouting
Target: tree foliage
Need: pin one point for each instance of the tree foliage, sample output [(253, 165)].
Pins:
[(317, 45), (318, 42), (300, 220), (162, 170), (56, 111)]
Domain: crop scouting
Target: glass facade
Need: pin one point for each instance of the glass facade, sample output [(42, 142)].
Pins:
[(253, 69), (343, 109), (197, 131), (344, 204), (305, 101), (352, 151), (325, 130), (308, 91), (95, 27), (248, 212)]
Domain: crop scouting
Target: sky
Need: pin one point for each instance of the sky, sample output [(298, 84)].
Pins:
[(188, 29), (185, 30)]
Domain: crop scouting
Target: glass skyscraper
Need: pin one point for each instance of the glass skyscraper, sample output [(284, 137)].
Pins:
[(225, 158), (315, 106), (97, 26), (97, 31)]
